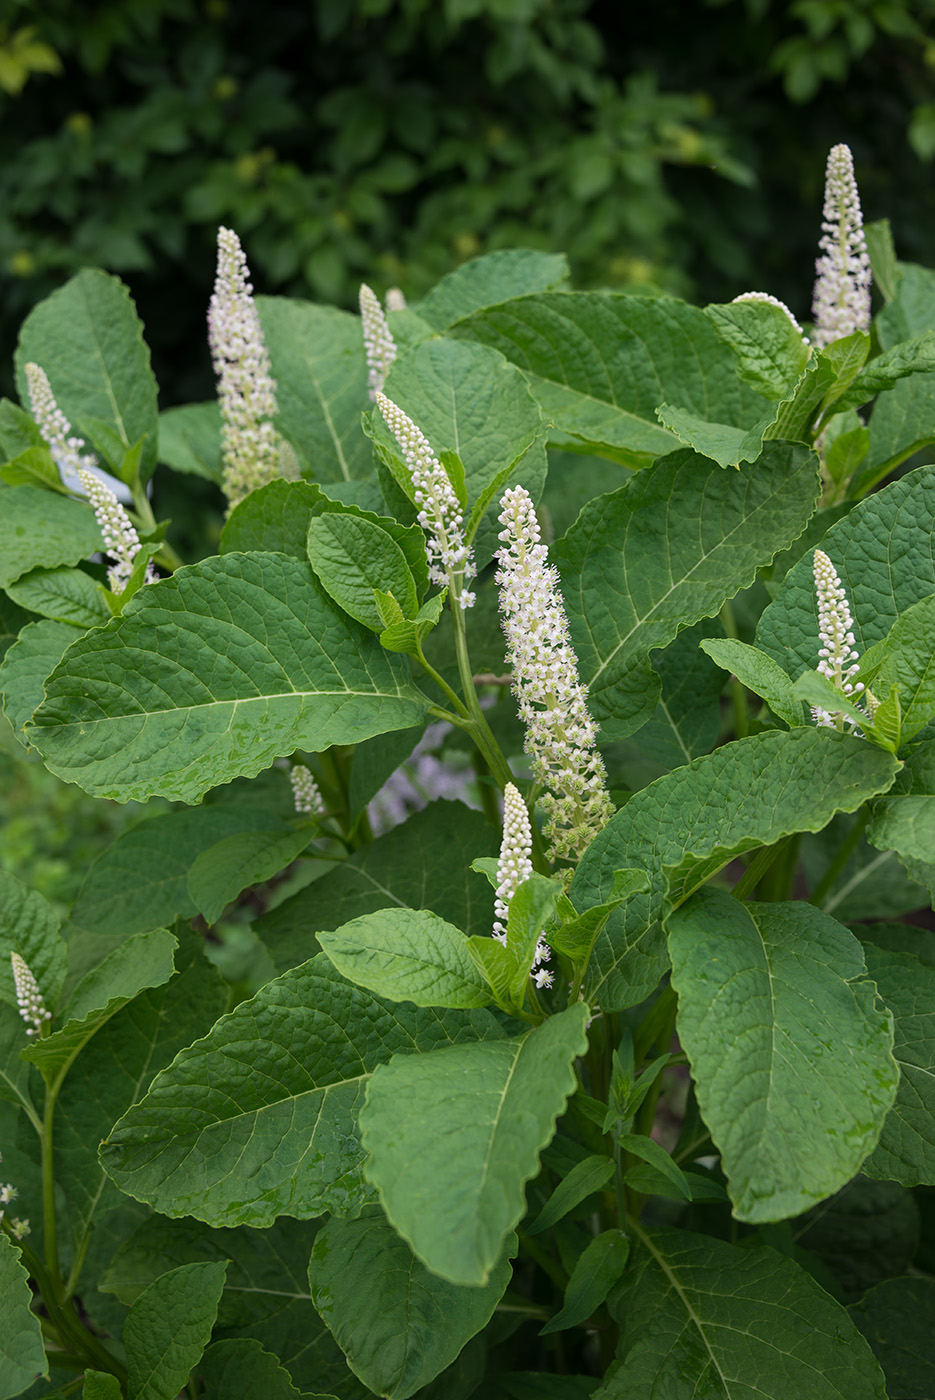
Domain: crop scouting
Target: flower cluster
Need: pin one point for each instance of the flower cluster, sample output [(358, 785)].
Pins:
[(305, 791), (513, 867), (450, 560), (379, 345), (120, 538), (32, 1008), (841, 300), (838, 656), (773, 301), (19, 1229), (55, 427), (246, 390), (561, 737)]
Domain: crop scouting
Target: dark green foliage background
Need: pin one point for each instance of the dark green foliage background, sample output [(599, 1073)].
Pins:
[(669, 145)]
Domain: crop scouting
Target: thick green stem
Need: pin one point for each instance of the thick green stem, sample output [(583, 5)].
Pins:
[(757, 868), (738, 693), (845, 851), (49, 1225)]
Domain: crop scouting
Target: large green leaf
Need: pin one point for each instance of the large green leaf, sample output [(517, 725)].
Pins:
[(42, 529), (792, 1061), (212, 674), (258, 1119), (411, 867), (70, 595), (906, 1150), (703, 1318), (495, 277), (687, 825), (168, 1328), (600, 363), (89, 340), (22, 1355), (454, 1136), (317, 357), (29, 926), (244, 1369), (898, 1319), (884, 552), (902, 420), (407, 955), (190, 439), (398, 1324), (665, 550), (28, 665)]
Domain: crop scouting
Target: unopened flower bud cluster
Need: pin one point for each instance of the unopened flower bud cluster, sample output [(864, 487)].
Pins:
[(32, 1008), (561, 737), (120, 538), (379, 345), (841, 301), (305, 791), (838, 656), (18, 1228), (513, 867), (246, 390), (54, 426), (450, 560)]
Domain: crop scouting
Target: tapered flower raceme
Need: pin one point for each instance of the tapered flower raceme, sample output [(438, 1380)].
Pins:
[(450, 560), (120, 537), (561, 737), (32, 1008), (838, 657), (395, 300), (772, 301), (246, 389), (513, 867), (305, 790), (841, 300), (54, 426), (379, 345)]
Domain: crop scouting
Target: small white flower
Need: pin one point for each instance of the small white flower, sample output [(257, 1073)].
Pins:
[(246, 389), (120, 538), (561, 737), (54, 426), (841, 300), (379, 345), (450, 560), (32, 1008), (305, 790), (772, 301), (838, 657)]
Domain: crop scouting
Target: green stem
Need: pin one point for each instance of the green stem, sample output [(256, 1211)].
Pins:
[(547, 1264), (845, 851), (738, 692), (167, 556), (48, 1191), (758, 866), (440, 679)]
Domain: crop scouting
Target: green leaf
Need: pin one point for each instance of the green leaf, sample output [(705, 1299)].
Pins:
[(867, 1232), (19, 431), (407, 955), (241, 1367), (915, 356), (258, 1119), (190, 439), (34, 467), (317, 357), (906, 1150), (727, 446), (68, 595), (412, 866), (686, 721), (843, 360), (685, 826), (599, 364), (882, 550), (662, 552), (490, 279), (597, 1270), (22, 1355), (701, 1317), (904, 821), (454, 1135), (759, 673), (27, 666), (351, 558), (576, 935), (771, 354), (883, 262), (12, 621), (89, 340), (175, 696), (659, 1161), (29, 926), (817, 689), (898, 1319), (906, 658), (409, 636), (43, 529), (507, 967), (466, 399), (168, 1328), (101, 1385), (143, 961), (588, 1176), (236, 862), (398, 1324)]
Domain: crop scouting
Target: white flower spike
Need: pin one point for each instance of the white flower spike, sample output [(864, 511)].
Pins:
[(120, 538), (513, 867), (305, 791), (841, 301), (561, 737), (32, 1008), (54, 426), (246, 389), (379, 345), (838, 657), (450, 560)]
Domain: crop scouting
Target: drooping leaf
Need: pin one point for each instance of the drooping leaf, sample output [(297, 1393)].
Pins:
[(276, 1132), (22, 1355), (243, 1368), (759, 673), (582, 1181), (662, 552), (701, 1317), (792, 1061), (687, 825), (407, 955), (212, 674), (190, 439), (398, 1324), (100, 1385), (236, 862), (771, 354), (89, 340), (485, 281), (594, 1275), (41, 529), (898, 1319), (454, 1136), (168, 1328), (69, 595), (28, 665), (351, 557)]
